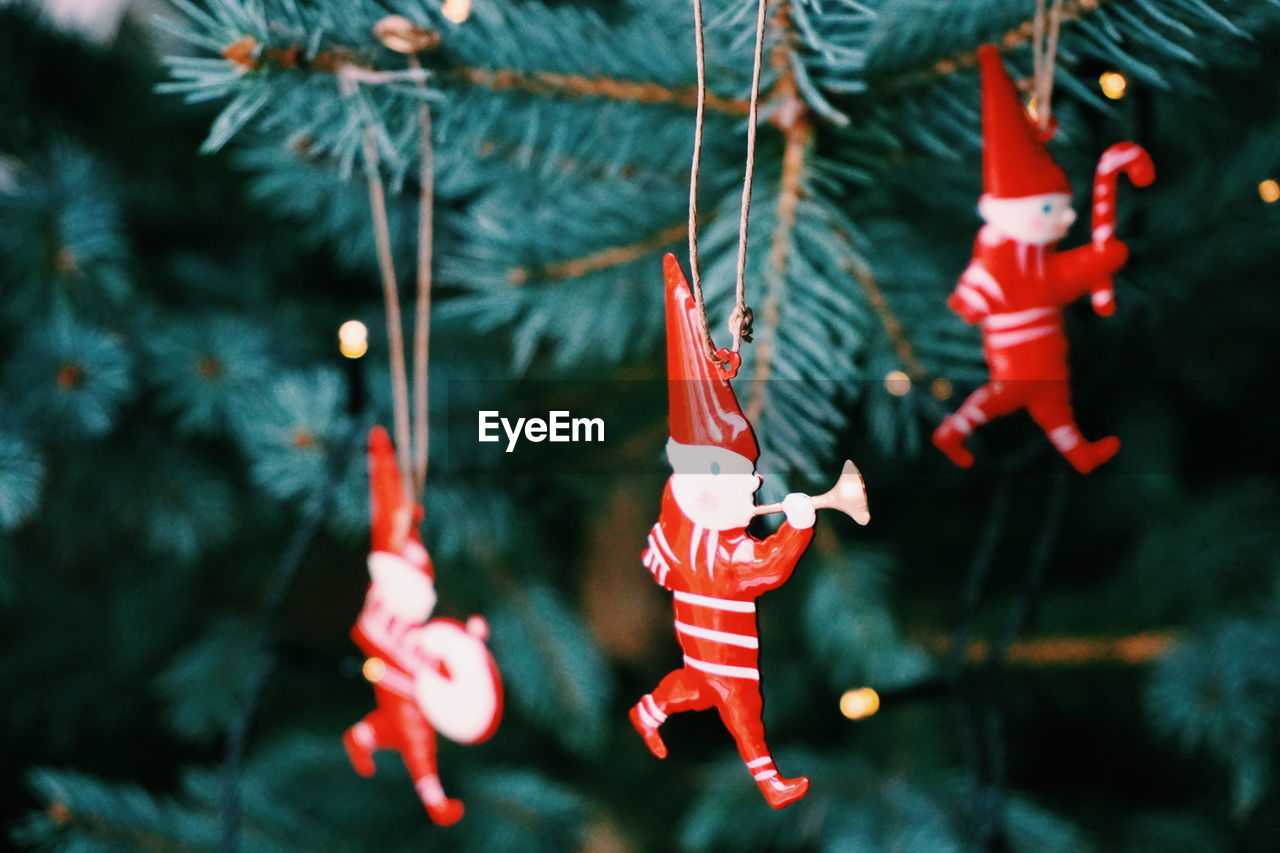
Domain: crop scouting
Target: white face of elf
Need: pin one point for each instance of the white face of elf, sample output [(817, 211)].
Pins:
[(401, 587), (1034, 219), (713, 486)]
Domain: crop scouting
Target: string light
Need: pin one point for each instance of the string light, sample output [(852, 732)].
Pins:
[(859, 703), (373, 670), (1269, 190), (456, 10), (897, 383), (353, 339), (941, 388), (1113, 84)]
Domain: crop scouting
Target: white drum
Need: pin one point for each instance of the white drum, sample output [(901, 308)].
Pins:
[(462, 699)]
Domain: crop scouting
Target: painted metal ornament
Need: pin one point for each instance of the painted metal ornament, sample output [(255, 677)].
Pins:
[(701, 551), (428, 675), (1018, 281)]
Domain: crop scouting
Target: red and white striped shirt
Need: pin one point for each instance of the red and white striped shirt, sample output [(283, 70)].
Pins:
[(381, 634), (715, 577), (1011, 289)]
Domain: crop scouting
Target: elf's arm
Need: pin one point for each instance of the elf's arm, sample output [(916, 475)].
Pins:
[(977, 293), (1079, 271), (776, 556)]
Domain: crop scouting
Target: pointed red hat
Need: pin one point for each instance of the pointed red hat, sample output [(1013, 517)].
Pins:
[(703, 408), (1015, 162), (388, 500)]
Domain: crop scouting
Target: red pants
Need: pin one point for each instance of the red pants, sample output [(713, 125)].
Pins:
[(398, 724), (737, 699), (1048, 401)]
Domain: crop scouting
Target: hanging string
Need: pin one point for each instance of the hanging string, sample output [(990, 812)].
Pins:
[(695, 270), (391, 301), (410, 430), (740, 320), (422, 319), (1044, 47)]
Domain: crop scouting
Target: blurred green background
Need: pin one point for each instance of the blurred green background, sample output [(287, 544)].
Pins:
[(175, 418)]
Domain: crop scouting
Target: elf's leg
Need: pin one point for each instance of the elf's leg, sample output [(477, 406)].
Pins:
[(361, 740), (418, 749), (683, 689), (1051, 408), (990, 401), (742, 708), (378, 730)]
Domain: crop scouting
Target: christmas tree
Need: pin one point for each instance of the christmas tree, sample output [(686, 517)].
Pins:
[(1012, 657)]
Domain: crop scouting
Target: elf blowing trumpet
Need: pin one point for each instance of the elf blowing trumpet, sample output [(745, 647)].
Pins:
[(1017, 282), (701, 551)]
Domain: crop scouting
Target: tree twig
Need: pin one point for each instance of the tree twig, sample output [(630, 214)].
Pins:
[(601, 260), (1024, 33), (992, 829), (797, 136), (265, 662), (577, 85), (976, 577)]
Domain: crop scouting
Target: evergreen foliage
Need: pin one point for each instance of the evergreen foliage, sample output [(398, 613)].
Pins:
[(173, 414)]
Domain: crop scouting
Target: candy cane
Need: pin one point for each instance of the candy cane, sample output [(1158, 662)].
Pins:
[(1133, 160)]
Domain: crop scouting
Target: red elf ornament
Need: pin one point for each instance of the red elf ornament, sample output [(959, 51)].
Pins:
[(427, 676), (1018, 282), (700, 550)]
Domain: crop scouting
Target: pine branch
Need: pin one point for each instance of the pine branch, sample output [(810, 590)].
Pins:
[(898, 338), (1022, 34), (601, 260), (553, 668), (1064, 651), (798, 137), (63, 816), (248, 56), (919, 95), (580, 86)]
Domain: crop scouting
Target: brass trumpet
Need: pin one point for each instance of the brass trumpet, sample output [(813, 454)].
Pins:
[(849, 495)]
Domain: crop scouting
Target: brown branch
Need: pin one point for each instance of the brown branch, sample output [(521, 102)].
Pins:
[(1071, 651), (791, 117), (602, 260), (577, 85), (249, 55), (1072, 10), (889, 319), (61, 814)]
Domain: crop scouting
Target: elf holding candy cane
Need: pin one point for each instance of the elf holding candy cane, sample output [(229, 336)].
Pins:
[(1017, 282)]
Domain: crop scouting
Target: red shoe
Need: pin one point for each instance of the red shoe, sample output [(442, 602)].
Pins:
[(783, 792), (652, 739), (950, 441), (1088, 455), (445, 812), (361, 757)]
